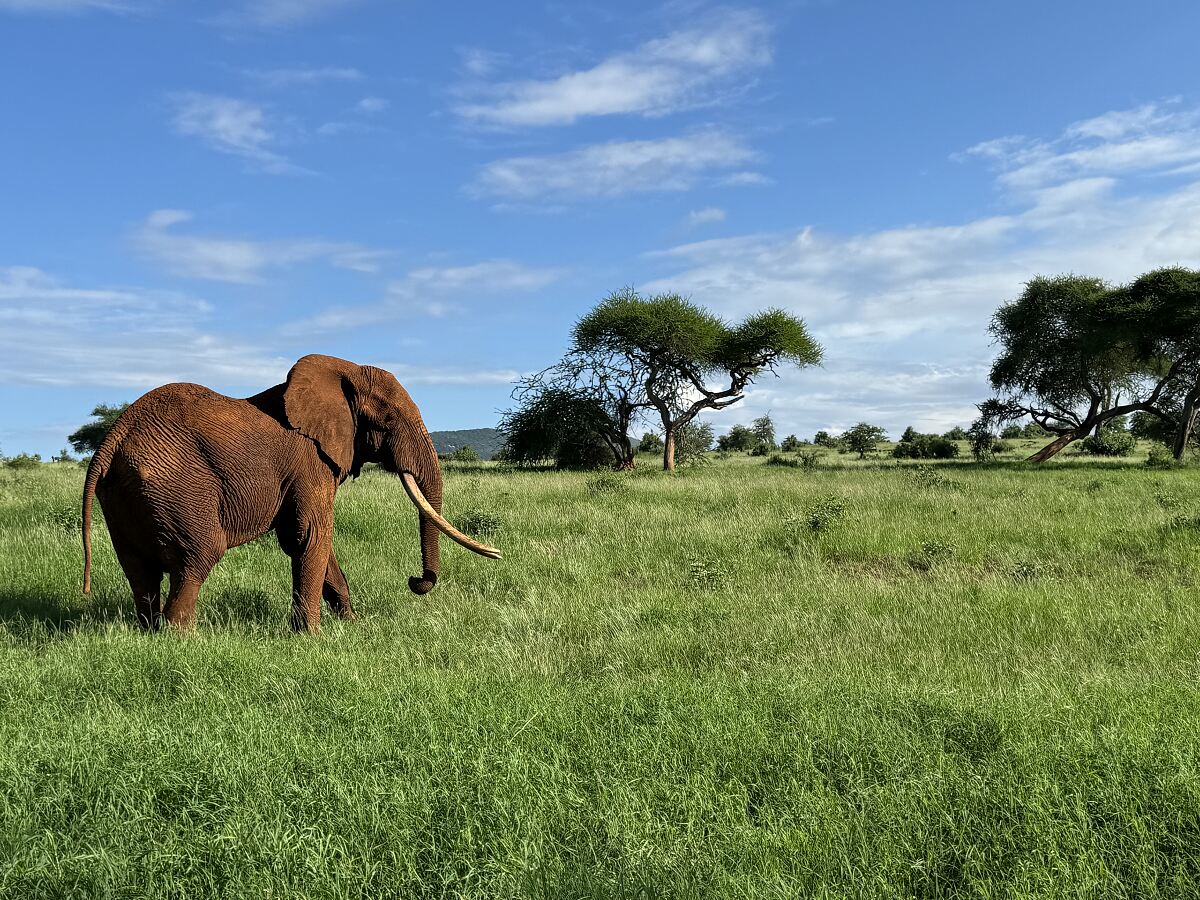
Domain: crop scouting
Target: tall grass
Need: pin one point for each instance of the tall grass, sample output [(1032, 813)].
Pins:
[(970, 681)]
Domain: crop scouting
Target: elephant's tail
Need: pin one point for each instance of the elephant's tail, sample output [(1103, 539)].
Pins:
[(99, 464)]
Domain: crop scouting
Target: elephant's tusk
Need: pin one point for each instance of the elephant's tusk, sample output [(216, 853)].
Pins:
[(414, 494)]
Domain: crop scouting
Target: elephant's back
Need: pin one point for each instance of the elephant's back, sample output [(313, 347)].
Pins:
[(183, 433)]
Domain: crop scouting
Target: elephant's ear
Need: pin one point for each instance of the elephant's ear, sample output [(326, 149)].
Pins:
[(316, 401)]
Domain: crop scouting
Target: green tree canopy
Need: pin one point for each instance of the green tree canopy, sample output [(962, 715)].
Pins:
[(88, 438), (1070, 358), (681, 347), (862, 438)]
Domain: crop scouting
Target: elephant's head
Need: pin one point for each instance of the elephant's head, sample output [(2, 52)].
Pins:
[(361, 414)]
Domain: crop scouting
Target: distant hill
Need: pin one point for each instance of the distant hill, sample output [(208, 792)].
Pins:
[(484, 441)]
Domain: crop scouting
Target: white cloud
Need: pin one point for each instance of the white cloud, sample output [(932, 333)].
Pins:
[(434, 291), (478, 62), (238, 260), (272, 14), (370, 106), (408, 374), (612, 169), (1155, 137), (683, 70), (903, 312), (706, 216), (66, 6), (745, 179), (54, 334), (303, 77), (232, 126)]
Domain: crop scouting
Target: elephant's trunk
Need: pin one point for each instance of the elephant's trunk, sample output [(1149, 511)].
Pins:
[(430, 535)]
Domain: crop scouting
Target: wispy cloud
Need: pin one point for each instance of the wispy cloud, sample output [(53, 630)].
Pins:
[(68, 6), (1155, 137), (612, 169), (684, 70), (272, 14), (303, 76), (370, 106), (409, 374), (232, 126), (434, 291), (136, 339), (706, 216), (237, 260)]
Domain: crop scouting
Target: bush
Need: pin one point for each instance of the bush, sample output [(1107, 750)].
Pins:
[(957, 434), (926, 446), (1161, 457), (25, 461), (931, 553), (790, 444), (820, 515), (760, 449), (692, 441), (609, 483), (478, 522), (1000, 447), (464, 454), (739, 438), (650, 443), (778, 459), (1109, 442)]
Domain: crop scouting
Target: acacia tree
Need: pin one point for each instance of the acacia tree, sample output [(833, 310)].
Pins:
[(88, 438), (599, 392), (680, 348), (1159, 317), (1068, 360)]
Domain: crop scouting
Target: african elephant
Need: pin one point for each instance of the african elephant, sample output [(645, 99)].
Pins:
[(186, 474)]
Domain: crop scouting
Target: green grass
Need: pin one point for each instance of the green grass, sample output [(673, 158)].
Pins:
[(973, 681)]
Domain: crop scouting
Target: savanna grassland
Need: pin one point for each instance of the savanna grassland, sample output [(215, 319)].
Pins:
[(747, 680)]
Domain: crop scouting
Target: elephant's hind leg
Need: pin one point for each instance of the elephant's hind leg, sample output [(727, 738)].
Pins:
[(336, 590), (146, 585), (180, 610), (145, 582)]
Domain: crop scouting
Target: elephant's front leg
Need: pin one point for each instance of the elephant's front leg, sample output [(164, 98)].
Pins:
[(336, 591), (308, 581)]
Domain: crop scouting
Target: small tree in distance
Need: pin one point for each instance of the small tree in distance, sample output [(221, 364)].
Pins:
[(825, 439), (682, 347), (790, 444), (88, 438), (764, 432), (650, 443), (862, 438), (738, 440)]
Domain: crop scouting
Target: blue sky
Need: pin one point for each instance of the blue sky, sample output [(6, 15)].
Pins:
[(206, 192)]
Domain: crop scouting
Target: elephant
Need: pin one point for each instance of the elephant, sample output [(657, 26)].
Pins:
[(185, 474)]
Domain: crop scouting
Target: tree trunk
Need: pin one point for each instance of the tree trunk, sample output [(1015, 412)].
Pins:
[(1054, 446), (669, 450), (1187, 421)]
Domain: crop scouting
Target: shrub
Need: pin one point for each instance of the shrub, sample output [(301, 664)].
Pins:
[(464, 454), (930, 554), (478, 522), (66, 516), (760, 449), (926, 446), (25, 461), (1109, 442), (825, 439), (820, 515), (927, 476), (1000, 447), (957, 434), (650, 443), (1011, 432), (692, 441), (1161, 457), (739, 438), (790, 444), (778, 459), (609, 483)]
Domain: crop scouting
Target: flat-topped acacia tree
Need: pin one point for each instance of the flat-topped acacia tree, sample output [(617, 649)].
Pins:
[(1078, 352), (682, 349)]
